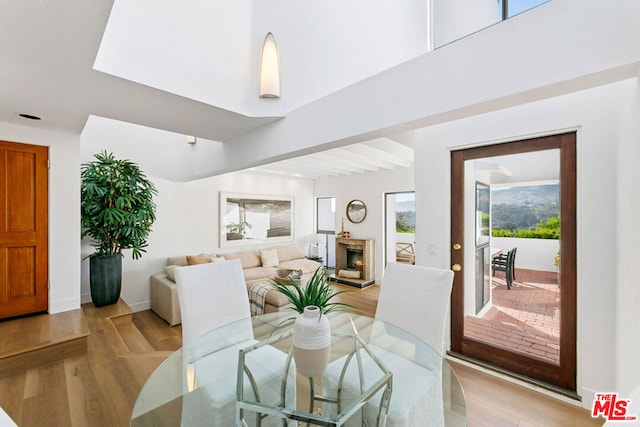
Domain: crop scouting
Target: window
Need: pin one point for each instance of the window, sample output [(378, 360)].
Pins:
[(511, 8), (326, 229)]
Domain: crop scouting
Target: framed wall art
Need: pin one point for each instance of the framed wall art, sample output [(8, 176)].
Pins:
[(252, 219)]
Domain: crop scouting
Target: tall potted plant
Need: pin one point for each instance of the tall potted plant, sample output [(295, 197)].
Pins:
[(117, 212)]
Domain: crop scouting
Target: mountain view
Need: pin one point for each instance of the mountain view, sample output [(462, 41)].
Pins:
[(406, 214), (515, 208)]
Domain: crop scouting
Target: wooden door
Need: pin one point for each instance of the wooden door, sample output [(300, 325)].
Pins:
[(23, 229), (561, 374)]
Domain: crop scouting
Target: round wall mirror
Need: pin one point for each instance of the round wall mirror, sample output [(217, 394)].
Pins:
[(356, 211)]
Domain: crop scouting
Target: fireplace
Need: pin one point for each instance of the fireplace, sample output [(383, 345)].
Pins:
[(354, 259), (355, 262)]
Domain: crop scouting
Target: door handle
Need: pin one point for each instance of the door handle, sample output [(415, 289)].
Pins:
[(456, 267)]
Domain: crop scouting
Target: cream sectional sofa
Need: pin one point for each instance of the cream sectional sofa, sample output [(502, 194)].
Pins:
[(258, 266)]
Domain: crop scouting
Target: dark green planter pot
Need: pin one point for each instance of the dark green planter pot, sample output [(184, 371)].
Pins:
[(105, 279)]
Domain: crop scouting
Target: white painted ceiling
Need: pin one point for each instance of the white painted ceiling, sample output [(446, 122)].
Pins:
[(535, 166), (369, 156), (49, 51)]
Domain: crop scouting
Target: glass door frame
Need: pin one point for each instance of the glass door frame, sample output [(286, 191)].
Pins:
[(560, 376)]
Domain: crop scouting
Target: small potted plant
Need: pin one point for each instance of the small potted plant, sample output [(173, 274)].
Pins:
[(318, 292), (311, 331), (117, 212), (236, 231)]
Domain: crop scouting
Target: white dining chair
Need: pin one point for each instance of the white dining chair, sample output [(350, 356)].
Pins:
[(211, 296), (415, 299)]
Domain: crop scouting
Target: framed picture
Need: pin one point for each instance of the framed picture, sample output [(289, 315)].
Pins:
[(253, 219)]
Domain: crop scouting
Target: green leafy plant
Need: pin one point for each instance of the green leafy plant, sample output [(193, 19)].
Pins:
[(319, 291), (238, 227), (548, 229), (117, 208)]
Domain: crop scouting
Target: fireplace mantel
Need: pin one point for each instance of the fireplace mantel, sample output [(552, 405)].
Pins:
[(363, 251)]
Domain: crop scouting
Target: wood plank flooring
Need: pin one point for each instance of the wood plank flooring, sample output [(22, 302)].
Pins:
[(26, 341), (99, 388)]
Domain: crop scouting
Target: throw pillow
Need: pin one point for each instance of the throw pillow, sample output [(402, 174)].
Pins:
[(269, 257), (170, 271), (198, 259), (289, 252)]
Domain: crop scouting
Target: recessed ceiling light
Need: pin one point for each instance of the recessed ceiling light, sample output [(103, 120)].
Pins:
[(29, 116)]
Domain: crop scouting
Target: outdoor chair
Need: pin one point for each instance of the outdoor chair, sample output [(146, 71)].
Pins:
[(405, 253), (506, 263)]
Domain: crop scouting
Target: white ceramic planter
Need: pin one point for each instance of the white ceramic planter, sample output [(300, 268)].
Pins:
[(311, 342)]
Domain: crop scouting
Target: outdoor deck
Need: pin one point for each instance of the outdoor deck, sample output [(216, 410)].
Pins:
[(525, 318)]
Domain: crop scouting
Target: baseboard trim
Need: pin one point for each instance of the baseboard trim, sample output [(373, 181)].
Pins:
[(140, 306), (63, 305)]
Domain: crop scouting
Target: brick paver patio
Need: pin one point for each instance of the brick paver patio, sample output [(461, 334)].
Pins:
[(524, 319)]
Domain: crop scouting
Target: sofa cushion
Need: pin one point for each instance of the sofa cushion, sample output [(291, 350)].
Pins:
[(273, 297), (177, 260), (269, 257), (306, 265), (276, 299), (289, 252), (255, 273), (248, 259)]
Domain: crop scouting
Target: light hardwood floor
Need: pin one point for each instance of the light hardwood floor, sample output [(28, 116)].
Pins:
[(99, 388)]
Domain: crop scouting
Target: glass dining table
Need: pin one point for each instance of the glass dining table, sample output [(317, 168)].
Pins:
[(374, 367)]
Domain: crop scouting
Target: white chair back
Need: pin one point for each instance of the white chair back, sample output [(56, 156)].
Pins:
[(211, 295), (416, 299)]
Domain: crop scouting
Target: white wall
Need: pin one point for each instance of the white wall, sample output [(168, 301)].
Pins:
[(499, 67), (627, 350), (532, 254), (165, 154), (326, 46), (187, 212), (210, 50), (197, 49), (603, 117), (454, 19), (370, 188), (64, 211)]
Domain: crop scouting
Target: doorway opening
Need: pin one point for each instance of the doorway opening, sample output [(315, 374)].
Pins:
[(513, 220), (24, 229), (400, 227)]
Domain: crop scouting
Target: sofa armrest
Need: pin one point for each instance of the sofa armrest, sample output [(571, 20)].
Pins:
[(164, 298)]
